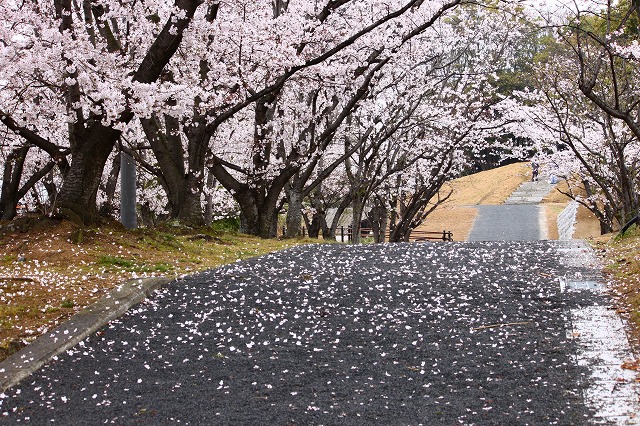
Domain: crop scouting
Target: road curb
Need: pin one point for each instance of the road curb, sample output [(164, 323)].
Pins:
[(86, 322)]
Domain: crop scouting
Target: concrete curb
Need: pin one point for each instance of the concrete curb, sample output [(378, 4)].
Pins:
[(86, 322)]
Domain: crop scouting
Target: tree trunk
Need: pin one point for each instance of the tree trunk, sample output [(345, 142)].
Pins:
[(294, 212), (52, 192), (317, 224), (11, 177), (108, 207), (605, 228), (356, 217), (190, 211), (208, 209), (378, 216), (319, 218), (628, 193), (258, 214), (183, 188), (249, 216), (336, 219), (91, 144), (77, 199)]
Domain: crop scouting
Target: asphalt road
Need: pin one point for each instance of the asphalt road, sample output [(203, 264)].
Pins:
[(422, 333), (507, 222)]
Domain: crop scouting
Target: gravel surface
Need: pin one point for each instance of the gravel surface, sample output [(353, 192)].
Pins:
[(431, 333)]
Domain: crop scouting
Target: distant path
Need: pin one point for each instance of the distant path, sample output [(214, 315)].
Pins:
[(507, 223), (520, 218)]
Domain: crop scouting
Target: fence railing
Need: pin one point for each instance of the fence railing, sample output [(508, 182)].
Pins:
[(345, 234), (420, 235)]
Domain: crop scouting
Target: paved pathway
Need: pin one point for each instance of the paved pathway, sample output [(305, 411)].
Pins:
[(508, 223), (530, 192), (446, 333), (610, 392), (520, 218)]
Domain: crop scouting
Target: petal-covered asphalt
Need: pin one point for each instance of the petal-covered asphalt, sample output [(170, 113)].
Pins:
[(432, 333)]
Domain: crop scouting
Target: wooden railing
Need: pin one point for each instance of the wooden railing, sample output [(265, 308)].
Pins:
[(345, 234), (420, 235)]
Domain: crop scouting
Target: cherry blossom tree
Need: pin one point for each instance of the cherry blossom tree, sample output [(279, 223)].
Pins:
[(74, 76), (268, 100), (589, 88), (431, 112), (283, 138)]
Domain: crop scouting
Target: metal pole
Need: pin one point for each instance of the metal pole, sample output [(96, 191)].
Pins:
[(128, 214)]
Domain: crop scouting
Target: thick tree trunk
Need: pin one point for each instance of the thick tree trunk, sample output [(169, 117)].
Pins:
[(628, 193), (183, 188), (258, 214), (378, 216), (77, 199), (91, 145), (190, 210), (294, 212), (108, 207), (268, 215), (249, 215), (208, 199), (11, 183), (318, 222)]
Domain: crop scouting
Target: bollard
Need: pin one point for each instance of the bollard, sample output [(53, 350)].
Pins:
[(128, 214)]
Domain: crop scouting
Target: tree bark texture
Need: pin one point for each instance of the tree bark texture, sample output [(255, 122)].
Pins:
[(11, 183), (108, 207), (294, 211), (91, 145)]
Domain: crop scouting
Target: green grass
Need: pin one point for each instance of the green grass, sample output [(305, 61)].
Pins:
[(115, 262), (108, 260), (68, 304), (8, 313), (229, 225)]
